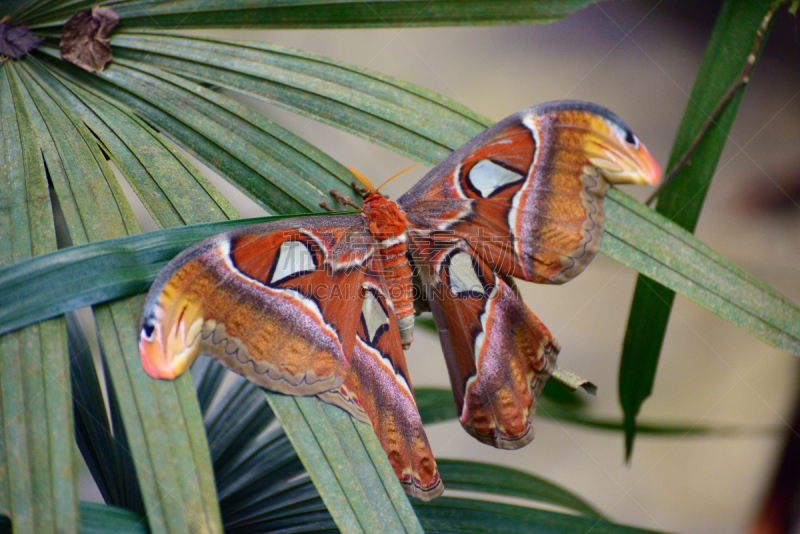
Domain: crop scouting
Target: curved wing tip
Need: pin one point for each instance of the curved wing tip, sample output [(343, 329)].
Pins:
[(499, 441), (424, 494), (653, 176), (155, 370)]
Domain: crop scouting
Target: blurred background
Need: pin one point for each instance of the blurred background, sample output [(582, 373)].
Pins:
[(638, 59)]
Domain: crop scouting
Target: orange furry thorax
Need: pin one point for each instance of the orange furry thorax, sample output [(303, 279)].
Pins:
[(386, 220)]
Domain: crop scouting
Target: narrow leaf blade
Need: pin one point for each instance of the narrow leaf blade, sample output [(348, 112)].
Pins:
[(498, 480), (38, 479), (330, 446), (447, 514), (302, 14), (682, 200)]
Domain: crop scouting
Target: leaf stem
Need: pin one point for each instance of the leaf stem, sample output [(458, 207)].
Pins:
[(741, 80)]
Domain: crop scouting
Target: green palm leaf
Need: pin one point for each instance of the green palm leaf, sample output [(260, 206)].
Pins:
[(62, 129)]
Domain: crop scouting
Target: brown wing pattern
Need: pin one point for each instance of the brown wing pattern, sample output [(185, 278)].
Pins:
[(499, 355), (527, 194), (261, 300), (525, 199), (297, 307), (378, 390)]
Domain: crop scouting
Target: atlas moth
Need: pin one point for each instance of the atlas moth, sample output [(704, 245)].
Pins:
[(324, 305)]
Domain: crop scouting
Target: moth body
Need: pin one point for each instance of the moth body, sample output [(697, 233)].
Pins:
[(388, 224)]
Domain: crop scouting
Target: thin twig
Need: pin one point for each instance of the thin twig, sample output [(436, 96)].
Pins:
[(742, 80)]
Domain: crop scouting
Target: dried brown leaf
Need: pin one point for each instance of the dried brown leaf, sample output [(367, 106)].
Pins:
[(84, 39), (16, 41)]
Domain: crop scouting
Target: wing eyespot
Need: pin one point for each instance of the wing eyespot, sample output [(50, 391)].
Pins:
[(148, 328), (374, 317), (463, 276), (631, 139), (488, 178), (294, 258)]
